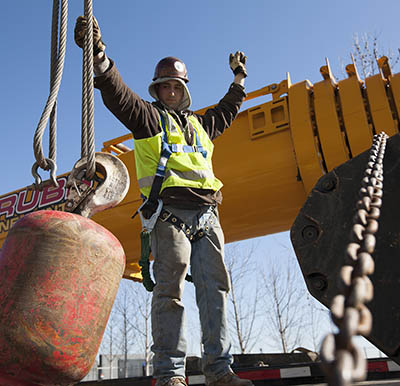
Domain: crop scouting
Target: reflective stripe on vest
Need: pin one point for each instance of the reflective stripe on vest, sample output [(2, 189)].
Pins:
[(167, 154), (189, 175)]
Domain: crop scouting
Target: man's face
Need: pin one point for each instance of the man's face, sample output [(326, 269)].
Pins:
[(171, 93)]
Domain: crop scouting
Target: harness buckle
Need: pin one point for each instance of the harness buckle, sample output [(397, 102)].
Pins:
[(148, 224), (165, 215)]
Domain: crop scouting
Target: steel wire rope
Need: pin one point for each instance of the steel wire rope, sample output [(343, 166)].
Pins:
[(87, 139), (53, 69), (58, 48)]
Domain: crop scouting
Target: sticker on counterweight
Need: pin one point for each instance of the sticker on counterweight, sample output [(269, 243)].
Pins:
[(18, 204)]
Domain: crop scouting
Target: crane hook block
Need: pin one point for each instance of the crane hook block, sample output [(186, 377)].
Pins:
[(59, 275), (108, 189)]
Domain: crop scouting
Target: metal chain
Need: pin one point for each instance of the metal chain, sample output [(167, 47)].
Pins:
[(342, 360), (58, 47), (88, 145)]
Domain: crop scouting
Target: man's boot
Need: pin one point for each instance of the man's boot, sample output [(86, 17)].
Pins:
[(230, 379), (173, 381)]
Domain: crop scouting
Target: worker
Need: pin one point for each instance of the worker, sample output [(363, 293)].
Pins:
[(187, 231)]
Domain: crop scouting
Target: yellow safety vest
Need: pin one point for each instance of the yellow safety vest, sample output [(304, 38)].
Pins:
[(184, 166)]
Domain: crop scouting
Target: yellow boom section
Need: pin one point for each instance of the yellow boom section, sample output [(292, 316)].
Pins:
[(271, 157)]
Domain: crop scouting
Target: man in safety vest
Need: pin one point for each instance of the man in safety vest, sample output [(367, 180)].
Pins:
[(173, 151)]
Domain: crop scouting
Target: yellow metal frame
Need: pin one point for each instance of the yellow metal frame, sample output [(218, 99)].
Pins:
[(355, 118), (271, 156)]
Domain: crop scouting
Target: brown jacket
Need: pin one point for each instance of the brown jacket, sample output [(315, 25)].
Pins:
[(141, 117)]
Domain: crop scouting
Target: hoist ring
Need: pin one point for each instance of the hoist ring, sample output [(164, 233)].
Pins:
[(112, 179), (53, 176)]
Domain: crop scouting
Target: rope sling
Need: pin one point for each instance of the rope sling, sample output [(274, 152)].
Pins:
[(87, 140), (58, 48)]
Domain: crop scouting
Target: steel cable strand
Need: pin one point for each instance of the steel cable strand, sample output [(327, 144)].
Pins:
[(53, 67), (342, 360), (84, 128), (88, 146), (56, 77)]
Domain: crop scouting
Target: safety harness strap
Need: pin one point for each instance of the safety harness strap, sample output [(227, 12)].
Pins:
[(166, 152), (179, 224), (144, 260), (152, 202)]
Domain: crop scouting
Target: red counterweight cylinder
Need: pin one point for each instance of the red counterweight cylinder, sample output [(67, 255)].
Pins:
[(59, 275)]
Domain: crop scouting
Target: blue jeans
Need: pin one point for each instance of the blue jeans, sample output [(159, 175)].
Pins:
[(173, 252)]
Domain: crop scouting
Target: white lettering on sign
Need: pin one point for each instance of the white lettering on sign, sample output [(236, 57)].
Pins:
[(16, 205), (24, 205), (7, 205), (52, 194)]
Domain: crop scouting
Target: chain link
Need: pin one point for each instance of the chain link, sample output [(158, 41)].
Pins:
[(342, 360)]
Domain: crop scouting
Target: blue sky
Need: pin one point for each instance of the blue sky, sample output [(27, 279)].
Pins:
[(278, 37), (283, 36)]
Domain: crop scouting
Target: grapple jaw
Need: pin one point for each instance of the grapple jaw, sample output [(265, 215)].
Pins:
[(321, 232)]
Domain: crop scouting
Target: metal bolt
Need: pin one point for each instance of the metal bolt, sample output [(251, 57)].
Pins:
[(318, 281), (310, 233), (327, 184)]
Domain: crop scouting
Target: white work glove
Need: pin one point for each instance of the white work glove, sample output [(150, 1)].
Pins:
[(237, 63), (79, 34)]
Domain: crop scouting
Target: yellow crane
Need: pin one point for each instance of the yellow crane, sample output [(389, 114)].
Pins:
[(289, 142)]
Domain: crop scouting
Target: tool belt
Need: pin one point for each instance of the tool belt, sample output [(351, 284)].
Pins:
[(193, 236), (180, 225)]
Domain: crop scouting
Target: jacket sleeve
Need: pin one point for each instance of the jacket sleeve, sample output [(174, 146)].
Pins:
[(215, 120), (137, 115)]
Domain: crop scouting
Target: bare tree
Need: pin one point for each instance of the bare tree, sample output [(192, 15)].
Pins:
[(124, 311), (141, 324), (284, 302), (244, 296), (365, 51), (109, 341), (129, 327), (320, 323)]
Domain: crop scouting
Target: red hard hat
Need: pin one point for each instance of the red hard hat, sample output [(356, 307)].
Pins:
[(171, 67)]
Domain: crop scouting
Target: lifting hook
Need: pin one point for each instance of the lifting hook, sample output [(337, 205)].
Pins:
[(108, 189)]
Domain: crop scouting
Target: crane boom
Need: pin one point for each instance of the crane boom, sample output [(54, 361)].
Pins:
[(285, 145)]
